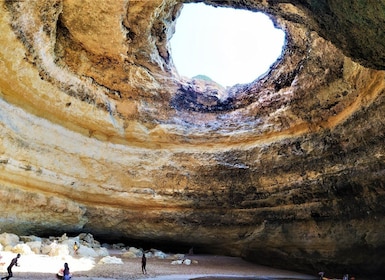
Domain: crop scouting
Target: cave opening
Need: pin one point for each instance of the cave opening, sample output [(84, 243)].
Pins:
[(225, 45)]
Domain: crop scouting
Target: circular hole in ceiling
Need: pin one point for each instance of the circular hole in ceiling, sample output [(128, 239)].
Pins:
[(226, 45)]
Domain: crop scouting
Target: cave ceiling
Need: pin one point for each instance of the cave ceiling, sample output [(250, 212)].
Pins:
[(101, 134)]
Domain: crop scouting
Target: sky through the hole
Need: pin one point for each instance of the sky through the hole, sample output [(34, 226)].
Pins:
[(230, 46)]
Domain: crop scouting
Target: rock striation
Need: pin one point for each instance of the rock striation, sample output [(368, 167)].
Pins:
[(100, 134)]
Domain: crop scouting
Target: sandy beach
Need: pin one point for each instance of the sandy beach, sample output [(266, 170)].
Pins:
[(38, 267)]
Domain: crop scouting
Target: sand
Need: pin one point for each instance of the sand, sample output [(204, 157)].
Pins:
[(34, 267)]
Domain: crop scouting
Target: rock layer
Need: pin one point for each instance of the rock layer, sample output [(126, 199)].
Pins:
[(101, 134)]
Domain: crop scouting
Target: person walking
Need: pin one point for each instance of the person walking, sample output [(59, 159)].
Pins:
[(144, 261), (9, 268)]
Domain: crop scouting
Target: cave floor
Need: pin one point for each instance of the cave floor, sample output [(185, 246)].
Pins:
[(202, 267)]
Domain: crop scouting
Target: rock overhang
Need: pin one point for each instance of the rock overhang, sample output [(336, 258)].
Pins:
[(101, 63), (102, 122)]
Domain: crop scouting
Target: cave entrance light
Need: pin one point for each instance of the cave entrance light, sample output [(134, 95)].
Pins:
[(227, 45)]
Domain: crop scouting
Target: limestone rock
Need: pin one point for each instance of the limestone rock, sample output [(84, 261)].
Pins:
[(35, 246), (101, 135), (129, 254), (109, 260), (9, 239), (22, 249)]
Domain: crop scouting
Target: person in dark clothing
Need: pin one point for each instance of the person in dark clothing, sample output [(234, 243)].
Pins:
[(9, 268), (144, 261), (66, 272)]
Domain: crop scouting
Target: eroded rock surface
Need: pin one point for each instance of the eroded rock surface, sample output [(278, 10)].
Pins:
[(101, 134)]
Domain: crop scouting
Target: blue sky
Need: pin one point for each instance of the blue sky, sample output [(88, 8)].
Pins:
[(230, 46)]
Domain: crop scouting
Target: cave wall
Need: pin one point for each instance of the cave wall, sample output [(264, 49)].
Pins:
[(101, 134)]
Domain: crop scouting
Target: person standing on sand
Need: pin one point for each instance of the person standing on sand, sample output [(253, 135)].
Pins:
[(9, 268), (144, 261)]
